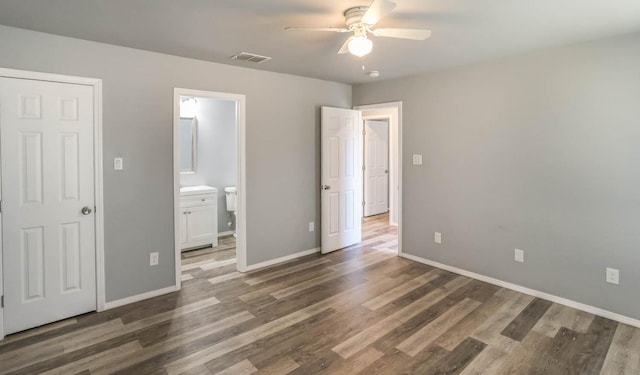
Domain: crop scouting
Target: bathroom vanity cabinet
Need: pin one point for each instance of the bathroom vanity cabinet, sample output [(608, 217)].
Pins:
[(198, 217)]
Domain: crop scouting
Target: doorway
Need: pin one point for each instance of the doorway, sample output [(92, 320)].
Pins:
[(392, 114), (209, 181), (382, 229), (52, 257), (342, 206)]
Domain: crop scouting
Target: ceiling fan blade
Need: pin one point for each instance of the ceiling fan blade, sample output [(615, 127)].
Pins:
[(333, 29), (345, 47), (378, 9), (414, 34)]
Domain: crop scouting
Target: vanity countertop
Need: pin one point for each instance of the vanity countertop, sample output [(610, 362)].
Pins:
[(201, 189)]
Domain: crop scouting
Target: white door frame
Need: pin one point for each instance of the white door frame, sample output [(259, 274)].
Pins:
[(393, 113), (98, 181), (241, 208)]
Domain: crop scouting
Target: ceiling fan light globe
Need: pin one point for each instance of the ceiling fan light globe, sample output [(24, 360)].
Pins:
[(360, 46)]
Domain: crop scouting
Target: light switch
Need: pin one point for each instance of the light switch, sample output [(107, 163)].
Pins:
[(118, 164), (417, 159)]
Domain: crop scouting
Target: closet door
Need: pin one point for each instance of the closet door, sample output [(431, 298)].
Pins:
[(48, 224)]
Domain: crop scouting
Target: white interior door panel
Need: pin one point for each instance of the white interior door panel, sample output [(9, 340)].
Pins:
[(341, 178), (48, 224), (376, 167)]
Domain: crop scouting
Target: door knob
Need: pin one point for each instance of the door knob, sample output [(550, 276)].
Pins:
[(86, 210), (326, 187)]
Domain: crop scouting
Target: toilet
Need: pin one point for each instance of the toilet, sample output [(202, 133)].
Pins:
[(231, 195)]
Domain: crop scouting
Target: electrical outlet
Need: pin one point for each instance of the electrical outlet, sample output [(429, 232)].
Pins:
[(312, 226), (518, 255), (153, 259), (613, 276), (417, 159), (437, 237)]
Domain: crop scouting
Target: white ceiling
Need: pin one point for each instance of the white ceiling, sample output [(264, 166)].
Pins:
[(464, 31)]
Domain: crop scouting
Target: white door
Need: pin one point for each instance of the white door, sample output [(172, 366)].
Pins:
[(48, 229), (341, 178), (376, 167)]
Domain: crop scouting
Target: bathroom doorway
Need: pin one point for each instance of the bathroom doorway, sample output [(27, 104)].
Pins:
[(209, 191)]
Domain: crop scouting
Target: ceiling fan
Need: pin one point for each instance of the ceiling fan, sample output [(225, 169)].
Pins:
[(361, 21)]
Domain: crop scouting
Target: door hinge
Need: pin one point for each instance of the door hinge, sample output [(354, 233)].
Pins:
[(363, 167), (0, 206), (363, 203), (2, 302)]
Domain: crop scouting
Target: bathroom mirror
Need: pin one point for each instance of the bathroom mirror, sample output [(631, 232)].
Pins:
[(188, 137)]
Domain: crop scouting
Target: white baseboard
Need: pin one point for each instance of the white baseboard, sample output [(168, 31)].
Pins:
[(227, 233), (532, 292), (140, 297), (272, 262)]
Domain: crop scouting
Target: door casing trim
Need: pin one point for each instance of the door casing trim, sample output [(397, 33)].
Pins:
[(97, 172)]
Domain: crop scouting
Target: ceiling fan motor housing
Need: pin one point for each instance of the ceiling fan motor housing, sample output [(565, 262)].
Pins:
[(353, 16)]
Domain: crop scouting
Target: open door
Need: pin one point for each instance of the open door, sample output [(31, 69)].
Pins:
[(341, 180)]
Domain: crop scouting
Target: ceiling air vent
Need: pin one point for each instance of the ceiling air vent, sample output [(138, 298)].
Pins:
[(251, 57)]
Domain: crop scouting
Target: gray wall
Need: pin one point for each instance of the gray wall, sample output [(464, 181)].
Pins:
[(539, 152), (282, 148), (216, 163)]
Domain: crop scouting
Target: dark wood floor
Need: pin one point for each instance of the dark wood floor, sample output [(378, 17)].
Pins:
[(361, 310)]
